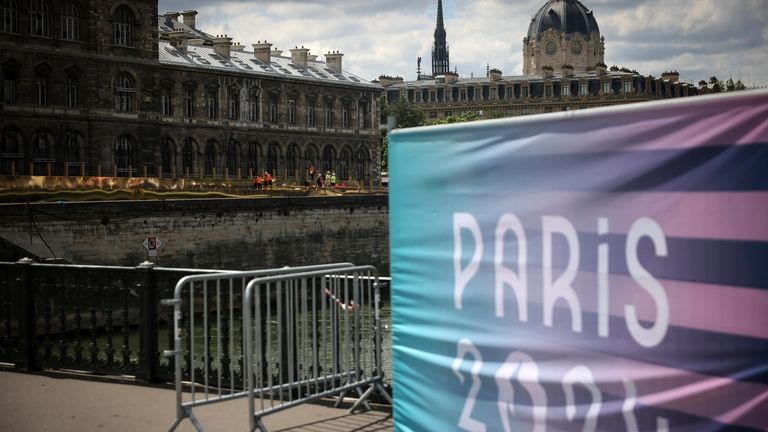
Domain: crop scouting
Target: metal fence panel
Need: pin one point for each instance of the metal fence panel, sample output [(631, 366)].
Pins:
[(320, 320), (208, 336)]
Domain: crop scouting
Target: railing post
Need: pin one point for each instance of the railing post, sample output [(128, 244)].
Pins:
[(25, 296), (148, 354)]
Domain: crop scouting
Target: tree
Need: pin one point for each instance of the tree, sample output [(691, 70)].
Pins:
[(717, 85), (466, 117), (405, 114)]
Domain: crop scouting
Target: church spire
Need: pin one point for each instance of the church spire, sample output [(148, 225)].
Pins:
[(440, 59), (440, 26)]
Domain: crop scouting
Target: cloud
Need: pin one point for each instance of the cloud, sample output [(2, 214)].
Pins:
[(699, 38)]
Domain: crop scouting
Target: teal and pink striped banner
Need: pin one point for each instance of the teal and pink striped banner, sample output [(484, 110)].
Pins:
[(593, 270)]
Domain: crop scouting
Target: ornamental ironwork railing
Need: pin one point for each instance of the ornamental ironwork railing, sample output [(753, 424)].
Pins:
[(112, 321), (106, 320)]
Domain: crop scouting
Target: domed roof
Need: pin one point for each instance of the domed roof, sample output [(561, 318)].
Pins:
[(567, 16)]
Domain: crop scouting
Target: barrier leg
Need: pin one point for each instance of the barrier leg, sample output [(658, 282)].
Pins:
[(259, 425), (195, 422)]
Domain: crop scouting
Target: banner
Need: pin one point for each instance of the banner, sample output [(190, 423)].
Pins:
[(593, 270)]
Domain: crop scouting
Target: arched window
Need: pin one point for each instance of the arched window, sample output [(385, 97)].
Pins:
[(39, 20), (188, 157), (210, 158), (253, 158), (8, 16), (272, 154), (70, 21), (70, 148), (167, 154), (310, 157), (345, 164), (292, 161), (329, 157), (123, 27), (125, 93), (11, 155), (363, 164), (125, 158), (42, 147), (233, 148)]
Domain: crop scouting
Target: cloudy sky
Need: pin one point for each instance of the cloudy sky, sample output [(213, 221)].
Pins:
[(699, 38)]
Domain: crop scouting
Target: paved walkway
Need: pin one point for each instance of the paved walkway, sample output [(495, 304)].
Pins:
[(42, 403)]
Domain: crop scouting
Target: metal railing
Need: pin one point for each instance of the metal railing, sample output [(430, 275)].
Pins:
[(301, 337), (98, 319)]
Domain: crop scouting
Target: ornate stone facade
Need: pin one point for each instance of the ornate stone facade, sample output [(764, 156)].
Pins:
[(103, 88), (563, 32), (563, 70)]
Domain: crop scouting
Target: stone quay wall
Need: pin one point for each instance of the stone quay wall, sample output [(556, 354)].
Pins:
[(204, 233)]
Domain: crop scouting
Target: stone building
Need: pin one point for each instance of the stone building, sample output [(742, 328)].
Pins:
[(112, 88), (563, 69)]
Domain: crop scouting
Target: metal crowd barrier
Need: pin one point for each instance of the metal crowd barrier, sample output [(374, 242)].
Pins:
[(289, 335), (321, 321)]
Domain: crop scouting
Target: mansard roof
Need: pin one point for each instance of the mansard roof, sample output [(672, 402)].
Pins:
[(204, 57), (513, 79)]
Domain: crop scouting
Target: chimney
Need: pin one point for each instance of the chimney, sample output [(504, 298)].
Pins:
[(261, 51), (451, 77), (179, 40), (189, 18), (333, 60), (311, 57), (196, 42), (547, 72), (237, 46), (299, 56), (170, 17), (222, 45), (672, 77), (276, 52), (566, 70), (494, 74), (601, 68)]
